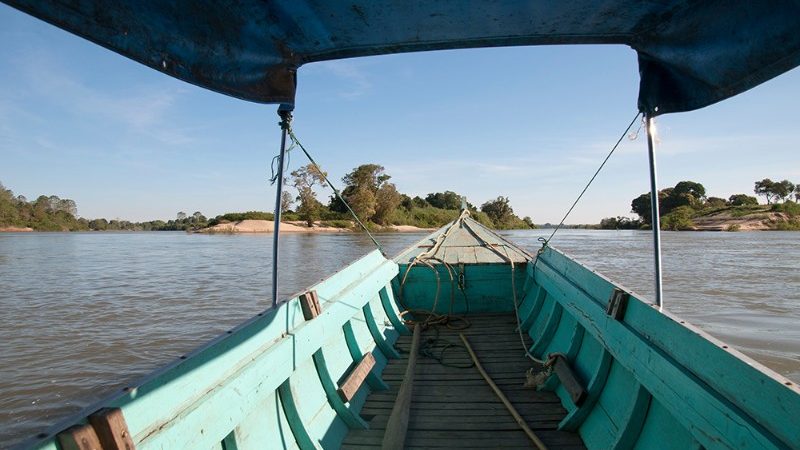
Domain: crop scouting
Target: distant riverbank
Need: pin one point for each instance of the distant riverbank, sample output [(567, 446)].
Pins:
[(268, 226), (15, 229)]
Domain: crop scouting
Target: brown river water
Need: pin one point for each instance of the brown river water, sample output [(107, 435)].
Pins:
[(82, 314)]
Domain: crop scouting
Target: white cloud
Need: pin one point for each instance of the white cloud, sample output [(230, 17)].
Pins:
[(353, 80), (142, 109)]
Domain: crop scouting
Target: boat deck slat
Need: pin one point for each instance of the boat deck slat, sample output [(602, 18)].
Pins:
[(454, 407)]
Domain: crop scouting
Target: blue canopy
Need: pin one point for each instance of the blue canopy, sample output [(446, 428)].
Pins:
[(692, 53)]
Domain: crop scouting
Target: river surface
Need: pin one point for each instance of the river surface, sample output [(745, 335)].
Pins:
[(82, 314)]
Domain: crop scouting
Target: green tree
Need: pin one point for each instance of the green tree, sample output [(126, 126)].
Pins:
[(766, 188), (286, 201), (641, 206), (363, 202), (387, 199), (369, 176), (419, 202), (406, 202), (716, 202), (797, 193), (693, 188), (678, 219), (499, 210), (742, 200), (444, 200), (529, 222), (783, 189), (361, 192), (304, 180), (181, 216)]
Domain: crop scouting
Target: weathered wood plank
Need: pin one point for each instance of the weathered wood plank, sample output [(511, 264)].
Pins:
[(394, 438), (575, 417), (350, 417), (356, 378), (79, 437), (576, 391), (520, 421), (309, 303), (111, 429), (373, 380)]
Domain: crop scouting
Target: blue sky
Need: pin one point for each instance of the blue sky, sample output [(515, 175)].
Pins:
[(529, 123)]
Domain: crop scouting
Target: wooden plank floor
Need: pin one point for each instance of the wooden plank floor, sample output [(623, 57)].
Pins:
[(453, 407)]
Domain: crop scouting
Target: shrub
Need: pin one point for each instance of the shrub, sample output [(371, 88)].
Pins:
[(679, 219), (337, 223), (789, 208)]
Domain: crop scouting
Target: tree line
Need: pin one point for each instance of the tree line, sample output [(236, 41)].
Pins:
[(377, 202), (52, 213), (687, 199), (367, 190)]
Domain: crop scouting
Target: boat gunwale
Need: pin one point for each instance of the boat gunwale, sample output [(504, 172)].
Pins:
[(756, 414), (126, 395), (689, 326)]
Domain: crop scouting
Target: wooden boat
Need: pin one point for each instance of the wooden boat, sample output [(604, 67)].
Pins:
[(464, 340), (323, 369)]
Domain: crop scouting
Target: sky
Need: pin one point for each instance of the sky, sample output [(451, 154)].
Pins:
[(529, 123)]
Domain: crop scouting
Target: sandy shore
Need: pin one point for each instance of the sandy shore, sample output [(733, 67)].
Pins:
[(267, 226), (724, 221), (15, 230)]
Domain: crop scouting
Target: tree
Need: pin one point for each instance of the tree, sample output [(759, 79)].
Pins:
[(716, 202), (797, 193), (444, 200), (499, 210), (529, 222), (286, 201), (363, 202), (641, 206), (406, 202), (782, 189), (304, 180), (361, 191), (386, 200), (369, 176), (765, 187), (742, 200), (693, 188), (419, 202), (198, 218), (679, 219), (181, 216)]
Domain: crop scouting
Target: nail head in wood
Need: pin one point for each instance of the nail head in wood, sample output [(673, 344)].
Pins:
[(356, 377), (111, 429), (309, 302), (79, 437), (617, 304)]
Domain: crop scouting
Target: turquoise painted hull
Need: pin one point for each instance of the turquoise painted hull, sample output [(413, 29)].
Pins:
[(652, 380)]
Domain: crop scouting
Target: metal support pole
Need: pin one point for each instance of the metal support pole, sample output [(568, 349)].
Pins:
[(285, 113), (654, 213)]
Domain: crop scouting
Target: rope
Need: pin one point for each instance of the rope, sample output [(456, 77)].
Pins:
[(295, 141), (516, 311), (591, 180), (513, 411)]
